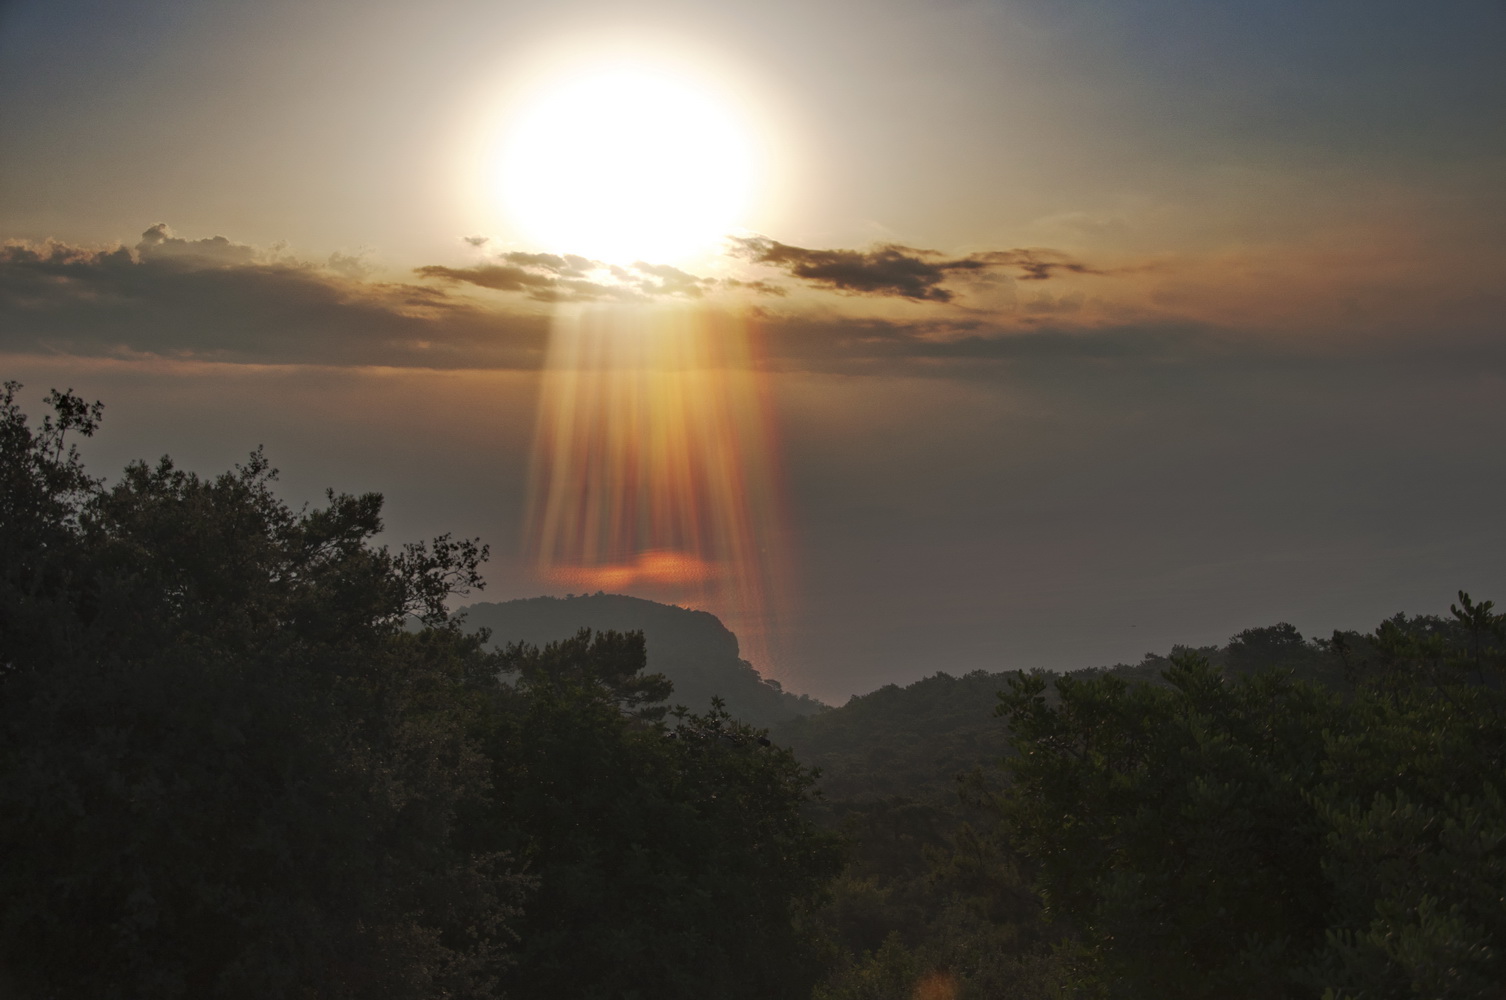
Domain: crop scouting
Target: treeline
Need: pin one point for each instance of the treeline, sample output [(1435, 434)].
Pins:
[(244, 752), (1276, 817), (1265, 836)]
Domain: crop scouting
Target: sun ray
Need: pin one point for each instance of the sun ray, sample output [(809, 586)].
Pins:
[(654, 466)]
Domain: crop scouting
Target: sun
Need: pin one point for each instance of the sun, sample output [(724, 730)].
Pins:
[(623, 163)]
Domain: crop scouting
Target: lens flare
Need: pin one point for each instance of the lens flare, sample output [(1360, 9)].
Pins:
[(653, 466)]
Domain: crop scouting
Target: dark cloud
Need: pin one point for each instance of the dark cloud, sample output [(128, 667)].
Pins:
[(498, 277), (538, 281), (888, 270), (899, 271), (548, 277), (213, 300), (1034, 263), (216, 300), (761, 287)]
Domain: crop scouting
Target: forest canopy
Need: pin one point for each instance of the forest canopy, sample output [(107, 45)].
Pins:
[(1261, 835), (247, 752)]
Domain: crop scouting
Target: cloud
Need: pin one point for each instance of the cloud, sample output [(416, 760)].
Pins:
[(548, 277), (215, 300), (760, 286), (890, 270), (159, 244), (566, 265), (899, 271), (497, 277), (661, 279), (354, 266)]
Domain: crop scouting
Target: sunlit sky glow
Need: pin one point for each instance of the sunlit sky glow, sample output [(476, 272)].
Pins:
[(624, 163), (654, 469), (1086, 326)]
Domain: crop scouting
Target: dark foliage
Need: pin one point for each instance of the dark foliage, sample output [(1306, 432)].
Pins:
[(1274, 817), (226, 768), (908, 743), (671, 861), (1265, 837), (244, 752)]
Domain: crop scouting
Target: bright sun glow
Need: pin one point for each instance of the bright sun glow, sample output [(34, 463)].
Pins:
[(624, 164)]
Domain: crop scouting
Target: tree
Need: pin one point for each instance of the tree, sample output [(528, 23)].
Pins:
[(1266, 837), (1412, 796), (1279, 645), (227, 766), (1170, 825), (671, 861)]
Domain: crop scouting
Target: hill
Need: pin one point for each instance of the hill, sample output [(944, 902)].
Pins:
[(913, 742), (692, 648)]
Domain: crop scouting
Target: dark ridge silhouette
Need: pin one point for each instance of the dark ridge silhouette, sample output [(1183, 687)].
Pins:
[(907, 741), (911, 742), (692, 648)]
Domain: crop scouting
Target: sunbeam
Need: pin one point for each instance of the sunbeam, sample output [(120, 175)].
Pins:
[(653, 466)]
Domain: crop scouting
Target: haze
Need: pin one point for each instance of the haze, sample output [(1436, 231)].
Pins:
[(1085, 328)]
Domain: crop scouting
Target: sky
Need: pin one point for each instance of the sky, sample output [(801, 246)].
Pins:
[(1072, 330)]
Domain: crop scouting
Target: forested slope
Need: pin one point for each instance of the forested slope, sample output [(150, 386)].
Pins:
[(914, 741), (1275, 817), (908, 742), (232, 766)]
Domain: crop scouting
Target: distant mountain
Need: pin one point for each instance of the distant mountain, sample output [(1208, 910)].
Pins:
[(912, 742), (905, 742), (692, 648)]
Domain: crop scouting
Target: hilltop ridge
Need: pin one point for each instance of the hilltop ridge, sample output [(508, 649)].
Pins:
[(692, 648)]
